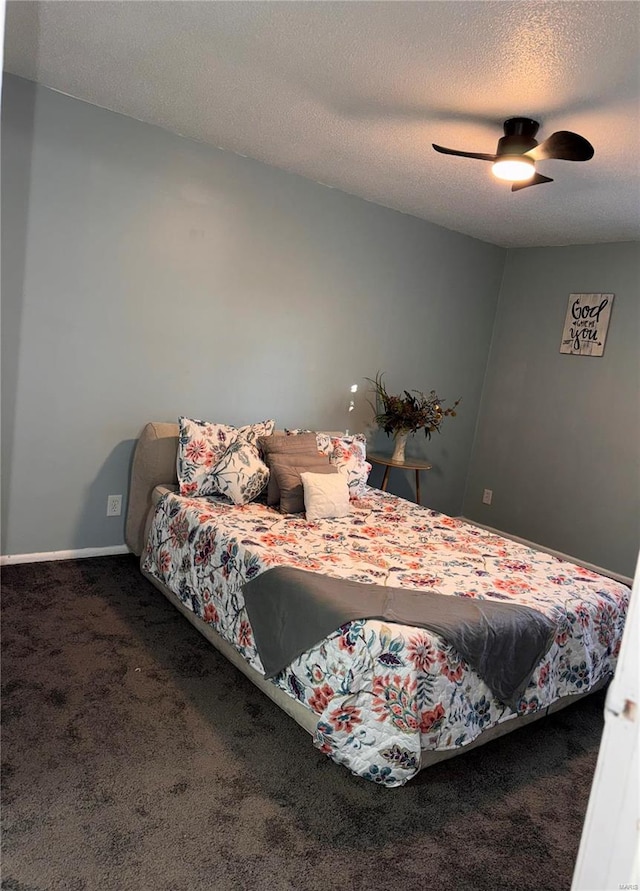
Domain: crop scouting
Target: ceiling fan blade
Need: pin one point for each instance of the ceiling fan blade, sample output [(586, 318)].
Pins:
[(536, 180), (563, 146), (447, 151)]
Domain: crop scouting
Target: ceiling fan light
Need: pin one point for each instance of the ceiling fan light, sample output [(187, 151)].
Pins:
[(514, 169)]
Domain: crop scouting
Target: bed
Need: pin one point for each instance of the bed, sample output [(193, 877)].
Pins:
[(381, 698)]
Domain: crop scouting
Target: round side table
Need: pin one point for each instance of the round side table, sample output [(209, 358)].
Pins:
[(408, 464)]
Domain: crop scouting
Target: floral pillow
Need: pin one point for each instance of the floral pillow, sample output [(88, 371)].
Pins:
[(323, 439), (201, 445), (348, 453), (241, 474)]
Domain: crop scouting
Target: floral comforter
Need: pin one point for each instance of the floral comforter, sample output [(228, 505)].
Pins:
[(382, 692)]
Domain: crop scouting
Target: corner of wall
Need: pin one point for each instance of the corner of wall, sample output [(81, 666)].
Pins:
[(484, 380)]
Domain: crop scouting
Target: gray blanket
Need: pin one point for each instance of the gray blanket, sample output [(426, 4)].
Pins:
[(291, 610)]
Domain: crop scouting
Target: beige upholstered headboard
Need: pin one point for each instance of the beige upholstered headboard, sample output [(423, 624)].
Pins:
[(154, 463)]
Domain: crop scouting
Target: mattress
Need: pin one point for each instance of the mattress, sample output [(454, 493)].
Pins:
[(381, 693)]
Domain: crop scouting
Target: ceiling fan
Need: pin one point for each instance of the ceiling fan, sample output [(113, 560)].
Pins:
[(518, 150)]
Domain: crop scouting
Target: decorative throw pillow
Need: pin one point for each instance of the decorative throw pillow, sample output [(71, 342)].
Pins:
[(325, 495), (278, 446), (323, 438), (287, 473), (202, 444), (349, 454), (240, 474)]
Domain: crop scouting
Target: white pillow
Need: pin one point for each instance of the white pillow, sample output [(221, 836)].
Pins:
[(326, 495)]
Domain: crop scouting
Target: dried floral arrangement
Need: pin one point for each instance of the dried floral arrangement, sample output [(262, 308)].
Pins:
[(409, 412)]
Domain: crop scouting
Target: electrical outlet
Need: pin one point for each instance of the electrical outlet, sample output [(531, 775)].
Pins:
[(114, 505), (487, 495)]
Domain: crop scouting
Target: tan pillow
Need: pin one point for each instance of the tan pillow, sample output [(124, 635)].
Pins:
[(287, 474), (282, 446)]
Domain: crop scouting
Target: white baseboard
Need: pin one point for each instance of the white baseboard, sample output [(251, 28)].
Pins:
[(46, 556), (538, 547)]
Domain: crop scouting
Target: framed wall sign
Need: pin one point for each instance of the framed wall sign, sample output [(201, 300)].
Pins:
[(586, 324)]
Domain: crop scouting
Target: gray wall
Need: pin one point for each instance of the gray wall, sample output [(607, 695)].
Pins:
[(146, 276), (558, 438)]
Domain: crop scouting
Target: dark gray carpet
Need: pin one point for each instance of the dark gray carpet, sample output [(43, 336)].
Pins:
[(136, 757)]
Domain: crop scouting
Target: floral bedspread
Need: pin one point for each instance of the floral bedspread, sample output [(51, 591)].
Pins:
[(381, 692)]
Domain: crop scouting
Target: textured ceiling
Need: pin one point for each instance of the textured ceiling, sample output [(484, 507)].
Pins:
[(352, 94)]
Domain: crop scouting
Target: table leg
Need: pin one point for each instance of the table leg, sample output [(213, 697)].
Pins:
[(417, 487), (385, 478)]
